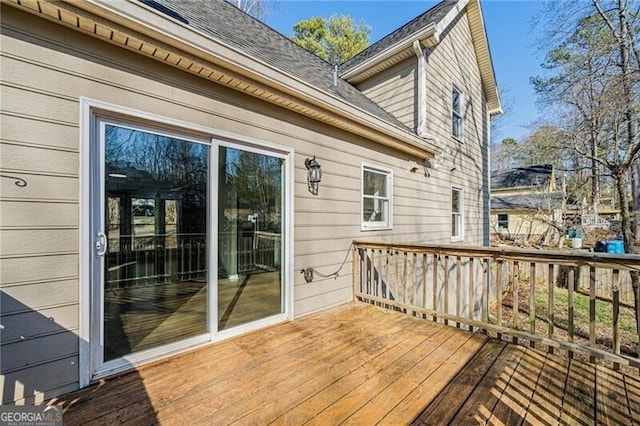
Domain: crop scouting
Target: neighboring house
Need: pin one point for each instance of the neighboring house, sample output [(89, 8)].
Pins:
[(154, 173), (526, 201)]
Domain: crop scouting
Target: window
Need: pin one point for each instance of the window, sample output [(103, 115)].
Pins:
[(456, 214), (457, 113), (376, 198), (503, 221)]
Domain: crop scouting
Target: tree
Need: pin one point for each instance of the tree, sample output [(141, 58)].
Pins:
[(256, 8), (595, 80), (336, 39), (502, 157)]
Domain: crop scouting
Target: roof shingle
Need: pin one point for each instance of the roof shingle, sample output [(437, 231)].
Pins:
[(230, 25), (431, 16)]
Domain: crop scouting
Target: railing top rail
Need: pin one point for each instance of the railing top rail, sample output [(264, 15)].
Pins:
[(622, 261)]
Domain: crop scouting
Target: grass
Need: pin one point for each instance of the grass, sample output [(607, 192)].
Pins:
[(581, 318), (604, 310)]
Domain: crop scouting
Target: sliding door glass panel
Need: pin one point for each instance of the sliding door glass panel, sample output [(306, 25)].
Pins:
[(249, 237), (155, 277)]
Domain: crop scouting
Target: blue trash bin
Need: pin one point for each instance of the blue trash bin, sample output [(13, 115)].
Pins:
[(615, 246)]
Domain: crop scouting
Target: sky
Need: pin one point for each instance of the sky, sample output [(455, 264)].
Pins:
[(512, 41)]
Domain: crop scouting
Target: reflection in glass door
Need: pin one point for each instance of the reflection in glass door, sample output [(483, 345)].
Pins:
[(155, 264), (250, 230)]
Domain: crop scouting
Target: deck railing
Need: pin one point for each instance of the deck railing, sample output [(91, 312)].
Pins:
[(536, 296), (143, 260)]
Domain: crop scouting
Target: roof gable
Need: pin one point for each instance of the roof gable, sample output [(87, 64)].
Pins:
[(427, 29), (407, 33)]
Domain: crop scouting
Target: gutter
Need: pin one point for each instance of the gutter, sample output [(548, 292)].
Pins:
[(421, 130)]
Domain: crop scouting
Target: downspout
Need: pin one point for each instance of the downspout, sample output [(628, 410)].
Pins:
[(421, 129)]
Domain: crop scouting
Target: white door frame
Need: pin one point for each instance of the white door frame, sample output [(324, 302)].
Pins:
[(92, 219)]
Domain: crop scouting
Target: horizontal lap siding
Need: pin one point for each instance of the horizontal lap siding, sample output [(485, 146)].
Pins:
[(425, 203), (39, 224), (395, 91), (453, 61)]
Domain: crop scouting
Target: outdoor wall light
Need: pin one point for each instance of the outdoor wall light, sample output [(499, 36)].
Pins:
[(314, 174)]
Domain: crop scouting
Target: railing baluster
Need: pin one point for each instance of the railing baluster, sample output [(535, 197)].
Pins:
[(592, 308), (550, 299), (380, 279), (486, 270), (355, 274), (532, 302), (405, 278), (446, 287), (387, 278), (616, 315), (458, 289), (570, 307), (499, 294), (372, 274), (396, 278), (424, 280), (414, 283), (516, 304), (472, 294), (435, 285)]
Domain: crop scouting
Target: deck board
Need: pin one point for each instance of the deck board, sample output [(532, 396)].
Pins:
[(546, 402), (516, 397), (332, 387), (578, 407), (435, 382), (359, 364), (611, 399), (441, 410), (479, 406), (381, 378)]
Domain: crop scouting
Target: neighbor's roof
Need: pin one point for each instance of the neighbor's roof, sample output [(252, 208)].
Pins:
[(537, 201), (225, 22), (522, 177)]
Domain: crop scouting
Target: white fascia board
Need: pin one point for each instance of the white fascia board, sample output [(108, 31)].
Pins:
[(393, 50), (451, 15), (483, 53), (151, 23)]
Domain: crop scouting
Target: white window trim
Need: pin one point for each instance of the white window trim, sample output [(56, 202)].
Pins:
[(498, 221), (459, 138), (376, 226), (460, 237)]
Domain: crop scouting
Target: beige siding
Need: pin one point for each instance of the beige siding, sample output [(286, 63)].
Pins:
[(525, 224), (464, 164), (395, 90), (45, 69), (453, 61)]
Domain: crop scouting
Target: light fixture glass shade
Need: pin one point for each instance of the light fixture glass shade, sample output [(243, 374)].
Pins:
[(314, 170)]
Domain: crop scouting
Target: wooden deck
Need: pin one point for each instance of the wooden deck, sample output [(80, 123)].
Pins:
[(359, 364)]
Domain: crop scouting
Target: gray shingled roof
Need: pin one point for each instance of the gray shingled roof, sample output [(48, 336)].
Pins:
[(535, 201), (431, 16), (225, 22), (533, 176)]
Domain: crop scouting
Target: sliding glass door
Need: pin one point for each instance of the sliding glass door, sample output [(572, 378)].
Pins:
[(188, 238), (155, 262), (250, 230)]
